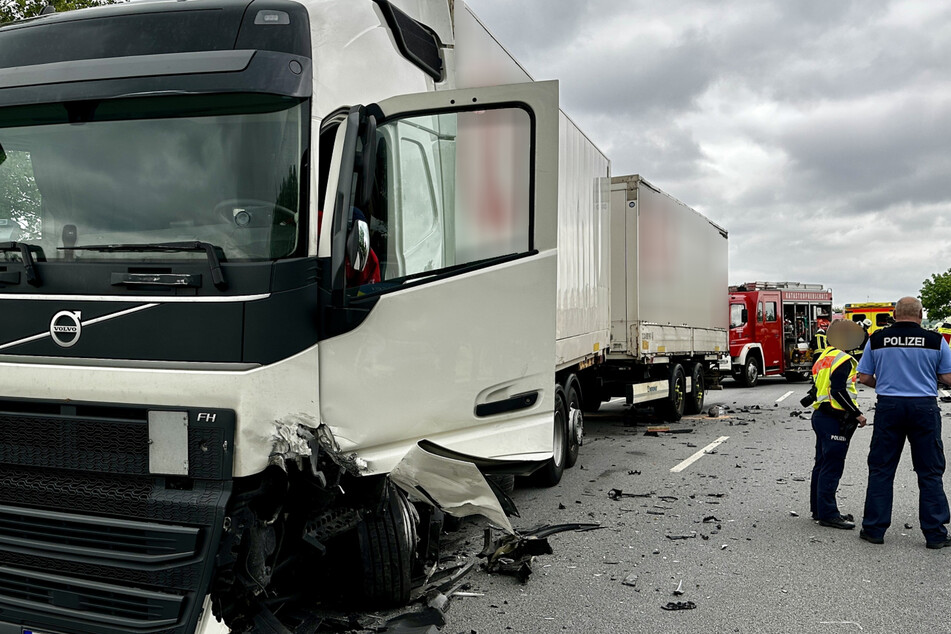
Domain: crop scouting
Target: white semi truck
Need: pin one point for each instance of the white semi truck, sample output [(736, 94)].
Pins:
[(282, 279)]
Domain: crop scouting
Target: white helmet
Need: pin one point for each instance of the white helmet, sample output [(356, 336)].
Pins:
[(867, 323)]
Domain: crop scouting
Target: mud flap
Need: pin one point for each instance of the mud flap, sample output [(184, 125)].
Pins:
[(455, 486)]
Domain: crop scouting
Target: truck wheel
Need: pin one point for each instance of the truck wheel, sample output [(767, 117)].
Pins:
[(550, 474), (750, 375), (387, 541), (694, 404), (575, 423), (672, 409)]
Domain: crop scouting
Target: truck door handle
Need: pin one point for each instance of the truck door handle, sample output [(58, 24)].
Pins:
[(511, 404), (156, 279)]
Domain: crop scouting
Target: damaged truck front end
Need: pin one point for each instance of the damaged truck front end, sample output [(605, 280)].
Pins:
[(251, 351)]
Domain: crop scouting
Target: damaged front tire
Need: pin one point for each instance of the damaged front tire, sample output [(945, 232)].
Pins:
[(387, 542)]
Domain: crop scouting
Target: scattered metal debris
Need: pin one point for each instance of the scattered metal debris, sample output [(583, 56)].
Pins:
[(679, 605), (793, 513), (617, 494), (692, 535), (630, 580), (514, 554), (680, 589)]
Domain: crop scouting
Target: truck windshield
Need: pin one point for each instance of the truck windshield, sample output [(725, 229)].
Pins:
[(218, 169)]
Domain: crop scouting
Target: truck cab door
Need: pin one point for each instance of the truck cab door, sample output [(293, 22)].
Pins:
[(438, 258), (773, 333)]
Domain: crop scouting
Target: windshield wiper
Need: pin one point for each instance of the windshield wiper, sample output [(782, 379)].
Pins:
[(26, 254), (217, 276)]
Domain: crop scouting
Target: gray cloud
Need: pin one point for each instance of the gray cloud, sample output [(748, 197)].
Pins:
[(814, 131)]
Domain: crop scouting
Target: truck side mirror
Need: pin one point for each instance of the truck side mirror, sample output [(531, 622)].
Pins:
[(358, 245)]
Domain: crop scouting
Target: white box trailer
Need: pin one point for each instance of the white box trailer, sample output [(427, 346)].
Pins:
[(668, 264)]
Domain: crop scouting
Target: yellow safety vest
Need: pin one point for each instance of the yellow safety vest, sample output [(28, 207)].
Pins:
[(822, 370), (821, 342)]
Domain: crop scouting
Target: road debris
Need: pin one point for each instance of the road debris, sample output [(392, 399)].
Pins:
[(617, 494), (630, 580), (692, 535), (710, 518), (680, 589), (908, 526), (793, 514), (513, 554), (679, 605)]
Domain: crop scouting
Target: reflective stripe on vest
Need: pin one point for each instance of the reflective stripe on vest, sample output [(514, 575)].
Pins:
[(822, 377), (821, 341)]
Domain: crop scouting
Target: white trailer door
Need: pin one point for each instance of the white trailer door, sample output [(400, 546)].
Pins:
[(448, 334)]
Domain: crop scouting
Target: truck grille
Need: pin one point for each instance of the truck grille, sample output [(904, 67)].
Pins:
[(90, 541)]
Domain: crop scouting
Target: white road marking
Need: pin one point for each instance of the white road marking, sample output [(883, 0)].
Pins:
[(784, 396), (692, 459)]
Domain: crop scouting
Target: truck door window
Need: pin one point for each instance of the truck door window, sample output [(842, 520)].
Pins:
[(459, 190), (881, 319), (859, 317), (770, 311), (736, 315), (759, 312)]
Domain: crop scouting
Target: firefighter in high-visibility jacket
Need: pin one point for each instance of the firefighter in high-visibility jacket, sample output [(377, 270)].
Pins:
[(835, 417), (819, 340)]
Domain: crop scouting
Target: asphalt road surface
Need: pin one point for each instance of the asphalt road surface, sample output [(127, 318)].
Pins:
[(762, 565)]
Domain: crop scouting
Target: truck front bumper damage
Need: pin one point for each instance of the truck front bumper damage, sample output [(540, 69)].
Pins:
[(289, 537)]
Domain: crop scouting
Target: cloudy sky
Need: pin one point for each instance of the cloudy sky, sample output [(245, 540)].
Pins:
[(818, 132)]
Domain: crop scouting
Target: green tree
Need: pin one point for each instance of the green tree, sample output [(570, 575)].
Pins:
[(936, 295), (11, 10)]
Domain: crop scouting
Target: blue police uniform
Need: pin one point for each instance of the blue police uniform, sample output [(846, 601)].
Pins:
[(905, 360)]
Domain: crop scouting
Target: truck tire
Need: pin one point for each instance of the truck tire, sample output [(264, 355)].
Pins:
[(386, 542), (694, 404), (672, 409), (550, 474), (750, 374), (505, 481), (575, 422)]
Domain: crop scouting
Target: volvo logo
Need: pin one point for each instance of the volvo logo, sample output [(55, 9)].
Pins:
[(66, 327)]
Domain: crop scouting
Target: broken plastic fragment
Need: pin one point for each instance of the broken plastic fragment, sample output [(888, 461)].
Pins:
[(513, 554), (679, 605), (455, 486), (630, 580)]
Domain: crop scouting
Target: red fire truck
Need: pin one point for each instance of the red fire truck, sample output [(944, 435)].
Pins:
[(771, 324)]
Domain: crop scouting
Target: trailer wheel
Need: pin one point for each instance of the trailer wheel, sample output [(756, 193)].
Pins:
[(575, 423), (750, 375), (672, 409), (386, 542), (694, 404), (550, 474)]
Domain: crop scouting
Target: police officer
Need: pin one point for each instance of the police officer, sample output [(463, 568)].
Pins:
[(904, 363), (834, 419)]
